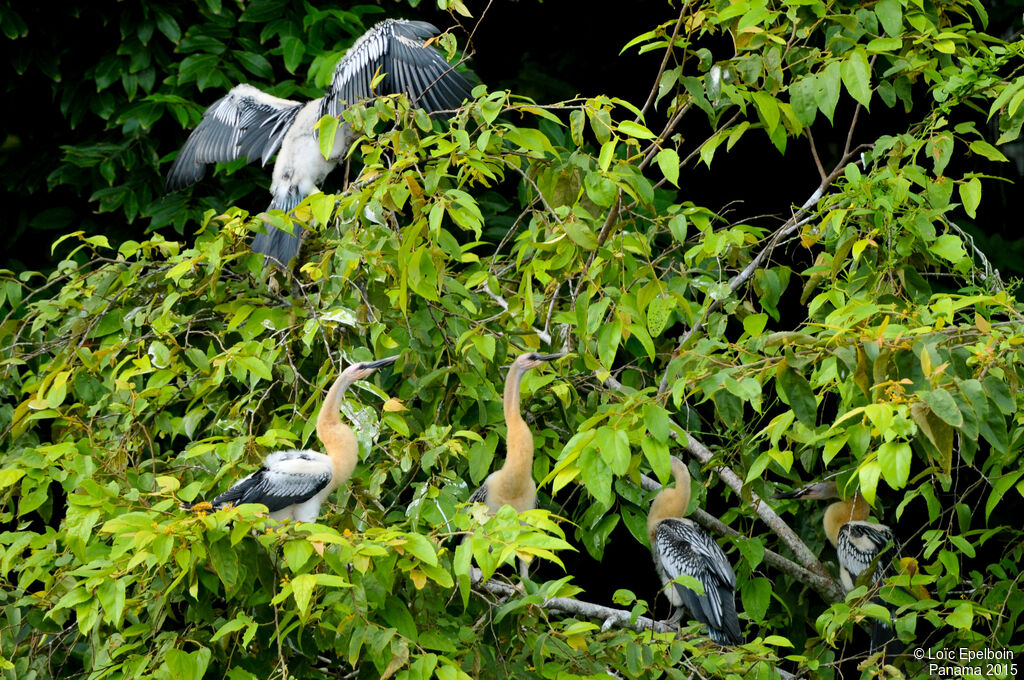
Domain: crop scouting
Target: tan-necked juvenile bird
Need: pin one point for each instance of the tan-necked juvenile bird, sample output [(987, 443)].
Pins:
[(294, 484), (680, 546)]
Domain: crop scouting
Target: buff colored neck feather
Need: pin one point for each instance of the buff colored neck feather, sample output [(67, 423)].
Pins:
[(339, 440), (517, 472), (836, 515), (670, 502)]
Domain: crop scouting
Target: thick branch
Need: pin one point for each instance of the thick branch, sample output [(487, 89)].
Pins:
[(567, 605), (573, 607)]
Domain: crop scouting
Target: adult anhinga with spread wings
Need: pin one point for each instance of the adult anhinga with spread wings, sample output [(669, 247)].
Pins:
[(248, 123), (858, 543), (294, 484), (680, 546)]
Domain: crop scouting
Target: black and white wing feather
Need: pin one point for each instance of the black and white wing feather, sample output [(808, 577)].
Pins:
[(480, 495), (396, 48), (682, 547), (244, 123), (857, 546), (285, 478)]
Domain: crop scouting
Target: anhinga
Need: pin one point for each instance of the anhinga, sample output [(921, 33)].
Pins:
[(858, 543), (294, 484), (680, 546), (248, 123), (513, 484)]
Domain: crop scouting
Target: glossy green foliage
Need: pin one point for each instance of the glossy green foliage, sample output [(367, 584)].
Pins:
[(858, 331)]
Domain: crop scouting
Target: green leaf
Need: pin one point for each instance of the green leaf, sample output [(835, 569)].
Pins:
[(187, 665), (884, 45), (970, 195), (768, 108), (293, 49), (659, 310), (827, 85), (327, 130), (302, 590), (856, 75), (797, 392), (999, 489), (656, 419), (868, 474), (608, 341), (802, 99), (422, 548), (668, 161), (894, 459), (604, 159), (628, 127), (890, 15), (657, 455), (944, 406), (962, 616), (10, 476), (579, 233), (949, 247), (530, 139), (983, 148), (940, 149), (297, 553), (224, 562), (756, 596)]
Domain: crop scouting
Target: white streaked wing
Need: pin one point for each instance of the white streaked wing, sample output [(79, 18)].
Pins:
[(859, 543), (685, 548), (398, 49), (286, 478), (245, 122)]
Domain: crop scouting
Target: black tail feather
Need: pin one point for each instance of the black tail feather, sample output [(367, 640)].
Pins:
[(277, 245)]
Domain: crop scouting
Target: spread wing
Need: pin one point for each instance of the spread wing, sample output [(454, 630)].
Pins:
[(396, 48), (682, 547), (285, 478), (244, 123)]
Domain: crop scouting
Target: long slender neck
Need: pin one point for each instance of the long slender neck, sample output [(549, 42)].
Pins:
[(518, 467), (670, 502), (836, 515), (338, 439)]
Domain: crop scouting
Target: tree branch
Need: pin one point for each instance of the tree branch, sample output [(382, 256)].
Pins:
[(567, 605), (664, 61), (610, 616)]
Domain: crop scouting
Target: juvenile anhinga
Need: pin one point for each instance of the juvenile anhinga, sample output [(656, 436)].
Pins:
[(294, 484), (248, 123), (513, 484), (858, 543), (680, 546)]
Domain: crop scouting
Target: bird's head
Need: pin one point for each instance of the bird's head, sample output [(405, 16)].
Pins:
[(365, 368), (817, 490), (525, 362)]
